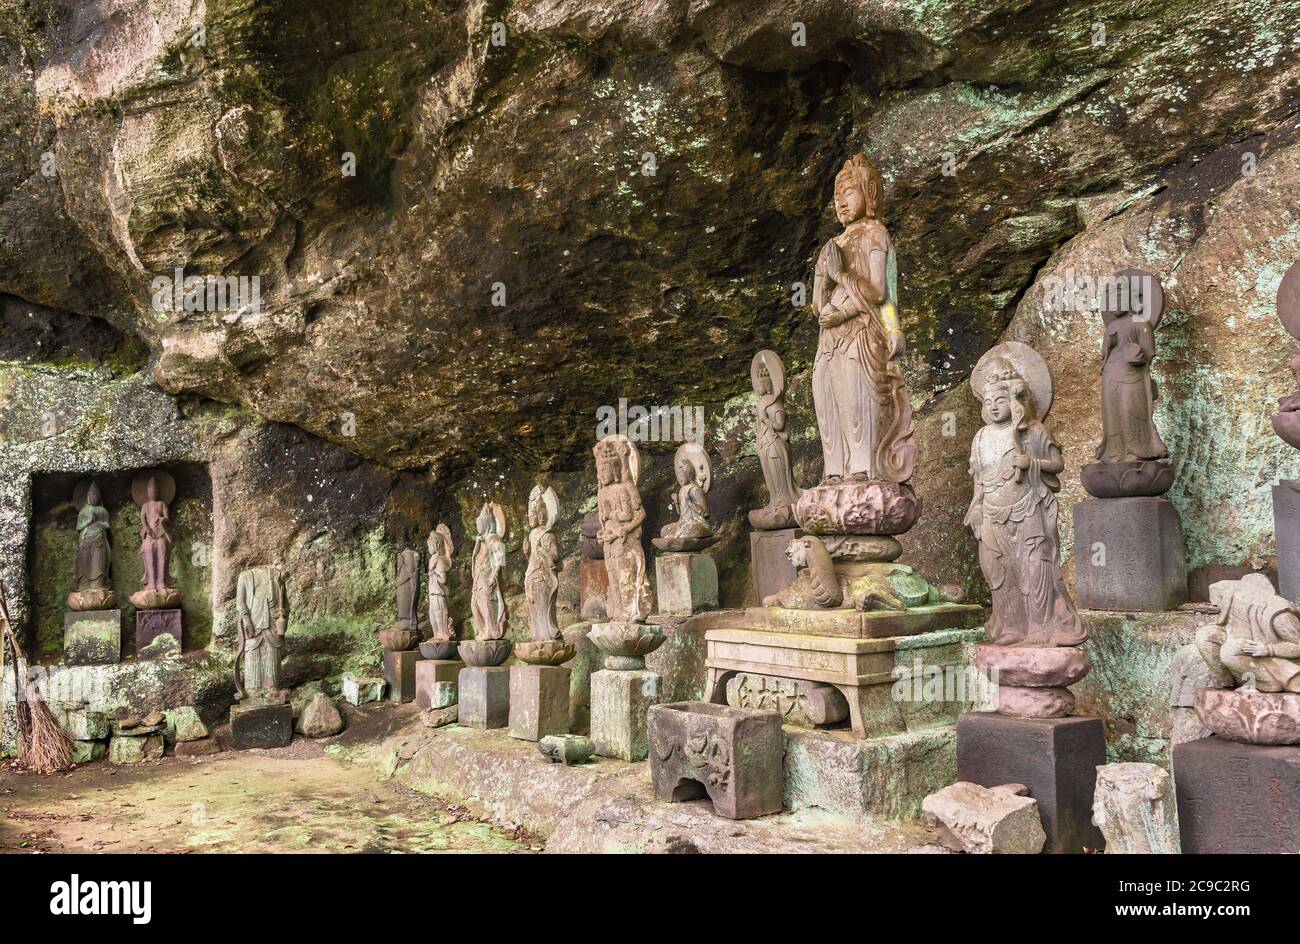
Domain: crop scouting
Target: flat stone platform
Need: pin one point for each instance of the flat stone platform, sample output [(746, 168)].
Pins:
[(844, 623), (609, 806)]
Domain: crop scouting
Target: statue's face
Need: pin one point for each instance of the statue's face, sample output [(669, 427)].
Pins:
[(797, 554), (683, 469), (997, 406), (606, 469), (92, 494), (535, 513), (152, 489), (850, 201), (485, 523), (764, 380)]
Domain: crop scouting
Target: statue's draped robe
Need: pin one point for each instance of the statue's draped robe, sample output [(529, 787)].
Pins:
[(439, 617), (1128, 394), (1019, 546), (774, 452), (155, 544), (260, 600), (408, 587), (93, 551), (1265, 618), (541, 582), (629, 585), (486, 602), (863, 412)]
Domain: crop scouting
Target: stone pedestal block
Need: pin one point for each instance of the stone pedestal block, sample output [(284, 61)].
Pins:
[(685, 583), (92, 637), (399, 673), (261, 726), (1056, 758), (1286, 528), (1237, 798), (484, 693), (158, 634), (432, 676), (361, 691), (734, 756), (1129, 555), (593, 586), (539, 701), (770, 571), (620, 703)]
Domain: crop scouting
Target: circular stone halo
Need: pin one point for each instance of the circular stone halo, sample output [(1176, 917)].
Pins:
[(1288, 301), (775, 371), (1027, 363), (140, 486)]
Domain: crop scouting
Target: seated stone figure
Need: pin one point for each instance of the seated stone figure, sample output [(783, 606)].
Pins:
[(1255, 642)]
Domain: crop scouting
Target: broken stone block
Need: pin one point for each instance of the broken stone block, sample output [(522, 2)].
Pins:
[(124, 749), (320, 718), (158, 634), (1134, 808), (620, 703), (435, 682), (484, 693), (969, 818), (440, 717), (84, 725), (685, 583), (92, 637), (134, 726), (263, 726), (399, 673), (567, 749), (539, 701), (199, 748), (184, 724), (83, 752), (734, 756), (360, 691)]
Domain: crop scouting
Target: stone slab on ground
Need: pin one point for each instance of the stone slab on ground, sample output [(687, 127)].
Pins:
[(83, 752), (135, 750), (608, 805), (184, 724), (970, 818), (200, 748), (679, 662), (1056, 758), (83, 725), (320, 718), (264, 726), (361, 690), (1237, 798), (92, 637)]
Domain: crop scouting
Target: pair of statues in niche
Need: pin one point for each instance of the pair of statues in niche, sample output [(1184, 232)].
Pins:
[(152, 492)]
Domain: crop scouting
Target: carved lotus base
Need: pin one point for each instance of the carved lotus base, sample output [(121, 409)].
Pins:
[(1250, 717), (167, 598), (439, 649), (1127, 479), (853, 507), (485, 652), (545, 651), (92, 599), (626, 645), (1287, 427), (398, 639), (772, 518)]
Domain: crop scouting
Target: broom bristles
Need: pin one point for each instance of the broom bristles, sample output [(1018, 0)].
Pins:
[(47, 749)]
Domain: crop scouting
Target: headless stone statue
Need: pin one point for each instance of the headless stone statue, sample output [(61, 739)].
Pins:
[(1255, 642), (408, 588), (94, 559), (262, 607)]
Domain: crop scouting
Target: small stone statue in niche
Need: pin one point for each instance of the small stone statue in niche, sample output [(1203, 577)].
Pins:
[(772, 443), (1131, 455), (262, 607), (94, 559), (442, 633), (618, 501), (1015, 465), (487, 604), (153, 492), (542, 582), (691, 531)]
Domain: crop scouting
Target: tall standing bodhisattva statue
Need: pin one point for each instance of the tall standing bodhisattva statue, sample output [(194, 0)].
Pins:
[(94, 560), (153, 492), (621, 516)]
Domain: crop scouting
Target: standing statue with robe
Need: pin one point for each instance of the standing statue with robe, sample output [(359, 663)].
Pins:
[(772, 443), (262, 607), (94, 558)]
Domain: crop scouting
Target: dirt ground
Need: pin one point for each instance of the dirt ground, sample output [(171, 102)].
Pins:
[(313, 796)]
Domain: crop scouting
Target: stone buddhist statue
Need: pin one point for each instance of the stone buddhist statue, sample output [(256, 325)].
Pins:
[(440, 551), (487, 604), (1016, 465), (94, 560), (621, 516), (691, 531), (408, 589), (863, 412), (542, 578), (153, 492), (1286, 423), (262, 609), (772, 443)]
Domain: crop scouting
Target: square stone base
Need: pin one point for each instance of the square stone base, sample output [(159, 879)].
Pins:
[(685, 583), (399, 673), (770, 571), (620, 702), (1056, 758), (262, 726), (92, 637), (484, 693), (158, 634), (432, 678), (1237, 798), (362, 691), (539, 701), (1286, 529), (1129, 555)]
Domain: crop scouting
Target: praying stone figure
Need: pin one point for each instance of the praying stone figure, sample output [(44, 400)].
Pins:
[(94, 558), (486, 602), (1253, 651), (440, 550), (262, 607), (772, 443), (153, 491), (542, 578), (618, 467), (1016, 465), (863, 412), (691, 531)]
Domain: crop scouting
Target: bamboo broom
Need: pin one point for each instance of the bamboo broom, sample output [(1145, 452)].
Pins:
[(43, 745)]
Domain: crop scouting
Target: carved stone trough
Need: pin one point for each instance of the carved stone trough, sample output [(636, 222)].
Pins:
[(734, 756)]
